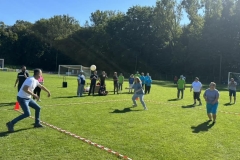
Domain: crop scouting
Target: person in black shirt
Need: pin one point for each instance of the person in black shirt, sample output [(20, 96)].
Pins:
[(115, 82), (102, 78), (21, 77), (93, 79)]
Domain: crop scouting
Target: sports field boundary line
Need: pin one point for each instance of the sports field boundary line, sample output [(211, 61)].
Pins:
[(83, 139)]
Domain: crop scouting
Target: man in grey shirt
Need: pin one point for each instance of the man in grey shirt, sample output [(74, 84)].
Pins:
[(232, 86)]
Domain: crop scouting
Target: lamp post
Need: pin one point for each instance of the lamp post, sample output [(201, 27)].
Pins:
[(220, 69)]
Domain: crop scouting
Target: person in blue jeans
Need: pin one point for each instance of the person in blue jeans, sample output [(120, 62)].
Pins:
[(131, 81), (25, 101), (142, 78), (138, 93), (211, 96)]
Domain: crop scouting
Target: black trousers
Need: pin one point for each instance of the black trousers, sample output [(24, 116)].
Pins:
[(178, 94), (102, 83), (115, 88), (92, 88), (196, 95), (147, 89), (37, 91)]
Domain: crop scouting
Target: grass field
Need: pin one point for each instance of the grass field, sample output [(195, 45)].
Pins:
[(171, 129)]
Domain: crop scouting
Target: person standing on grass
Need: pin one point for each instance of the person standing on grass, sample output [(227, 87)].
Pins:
[(131, 81), (180, 86), (197, 87), (142, 78), (175, 80), (138, 93), (148, 83), (120, 81), (21, 77), (37, 90), (81, 82), (115, 82), (25, 101), (93, 79), (232, 86), (102, 78), (211, 96)]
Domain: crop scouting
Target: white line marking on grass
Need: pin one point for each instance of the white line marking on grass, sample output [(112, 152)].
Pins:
[(83, 139)]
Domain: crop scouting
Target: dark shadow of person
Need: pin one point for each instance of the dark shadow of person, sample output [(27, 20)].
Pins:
[(125, 110), (7, 104), (203, 127), (175, 99), (6, 133), (188, 106), (228, 104)]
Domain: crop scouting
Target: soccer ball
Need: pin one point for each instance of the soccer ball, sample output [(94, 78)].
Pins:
[(93, 67)]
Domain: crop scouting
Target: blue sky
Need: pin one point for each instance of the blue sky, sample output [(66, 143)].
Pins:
[(33, 10)]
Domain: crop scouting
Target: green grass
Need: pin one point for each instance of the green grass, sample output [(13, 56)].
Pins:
[(166, 131)]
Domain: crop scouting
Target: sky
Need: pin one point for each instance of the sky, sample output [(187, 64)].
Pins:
[(33, 10)]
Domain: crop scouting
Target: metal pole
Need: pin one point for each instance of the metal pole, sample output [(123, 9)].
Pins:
[(220, 69)]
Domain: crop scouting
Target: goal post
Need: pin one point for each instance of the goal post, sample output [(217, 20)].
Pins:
[(235, 76), (73, 70), (1, 63)]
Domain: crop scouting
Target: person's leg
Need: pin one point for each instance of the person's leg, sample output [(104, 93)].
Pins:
[(90, 89), (178, 92), (134, 100), (141, 96), (78, 90), (35, 91), (37, 108), (26, 111), (81, 89), (93, 88), (234, 97), (194, 98), (149, 88), (209, 110), (182, 91), (198, 98), (214, 112), (114, 88), (117, 87), (39, 92)]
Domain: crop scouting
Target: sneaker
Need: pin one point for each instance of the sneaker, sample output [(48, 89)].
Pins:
[(39, 100), (200, 104), (10, 127), (134, 105), (145, 109), (194, 104), (38, 125)]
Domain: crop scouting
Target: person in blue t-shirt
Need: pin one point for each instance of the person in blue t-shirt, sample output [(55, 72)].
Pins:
[(148, 83), (93, 79), (142, 78), (131, 81), (138, 92)]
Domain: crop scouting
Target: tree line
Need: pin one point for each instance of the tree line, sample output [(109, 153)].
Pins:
[(145, 38)]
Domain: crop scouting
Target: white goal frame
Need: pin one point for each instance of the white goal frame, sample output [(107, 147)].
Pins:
[(87, 70), (2, 64), (236, 78)]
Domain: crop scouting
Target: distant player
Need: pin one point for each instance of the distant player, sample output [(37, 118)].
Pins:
[(138, 92), (142, 78), (93, 79), (232, 86), (197, 87), (120, 81), (115, 82), (21, 77), (102, 78), (81, 83), (181, 87)]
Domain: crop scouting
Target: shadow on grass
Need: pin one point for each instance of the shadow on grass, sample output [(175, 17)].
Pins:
[(175, 99), (6, 133), (203, 127), (188, 106), (228, 104), (65, 97), (7, 104), (125, 110)]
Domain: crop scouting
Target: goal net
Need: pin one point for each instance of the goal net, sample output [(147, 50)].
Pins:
[(235, 76), (73, 70)]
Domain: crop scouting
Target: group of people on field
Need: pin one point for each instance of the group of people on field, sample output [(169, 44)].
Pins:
[(211, 95)]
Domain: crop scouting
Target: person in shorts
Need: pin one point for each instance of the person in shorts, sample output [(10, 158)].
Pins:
[(232, 86), (196, 87), (211, 96)]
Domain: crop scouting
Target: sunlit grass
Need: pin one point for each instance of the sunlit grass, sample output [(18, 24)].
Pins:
[(166, 131)]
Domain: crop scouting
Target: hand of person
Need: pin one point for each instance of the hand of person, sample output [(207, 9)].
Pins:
[(49, 94), (35, 96)]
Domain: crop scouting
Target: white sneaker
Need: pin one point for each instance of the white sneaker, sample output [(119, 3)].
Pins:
[(134, 105), (145, 109)]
